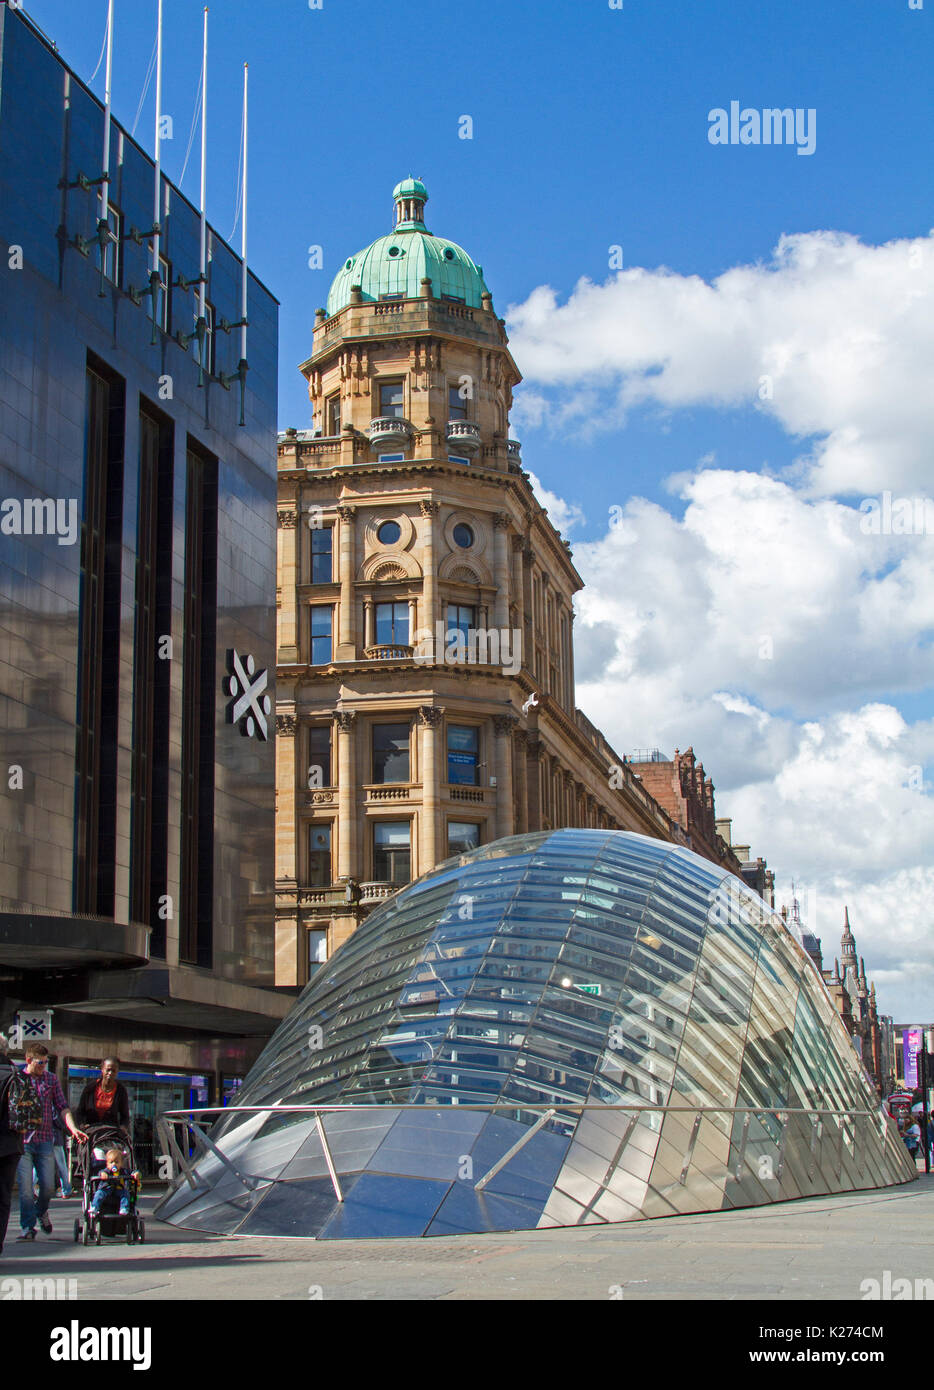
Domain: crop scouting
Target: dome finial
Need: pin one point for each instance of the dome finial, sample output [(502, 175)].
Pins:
[(410, 197)]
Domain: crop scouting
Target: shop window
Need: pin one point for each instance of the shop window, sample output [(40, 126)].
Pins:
[(461, 618), (319, 756), (392, 853), (322, 619), (392, 624), (457, 405), (317, 950), (463, 836), (319, 856), (391, 401), (463, 755), (390, 753), (322, 555)]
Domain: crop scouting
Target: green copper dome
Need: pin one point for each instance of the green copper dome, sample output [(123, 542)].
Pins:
[(395, 265)]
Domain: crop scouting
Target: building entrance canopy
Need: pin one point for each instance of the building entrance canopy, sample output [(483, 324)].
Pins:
[(557, 1029)]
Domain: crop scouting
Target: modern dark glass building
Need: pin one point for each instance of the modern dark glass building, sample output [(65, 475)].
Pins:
[(558, 1029), (137, 579)]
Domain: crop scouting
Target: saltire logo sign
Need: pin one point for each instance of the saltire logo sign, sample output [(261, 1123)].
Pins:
[(34, 1027), (249, 707)]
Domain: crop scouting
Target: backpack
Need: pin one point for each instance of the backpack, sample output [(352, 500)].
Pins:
[(24, 1104)]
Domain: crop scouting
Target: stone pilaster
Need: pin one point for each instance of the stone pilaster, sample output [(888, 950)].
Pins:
[(520, 745), (429, 511), (501, 525), (288, 585), (346, 645), (503, 725), (430, 720), (346, 794)]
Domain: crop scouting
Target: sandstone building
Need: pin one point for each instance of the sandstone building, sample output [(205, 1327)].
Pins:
[(425, 681)]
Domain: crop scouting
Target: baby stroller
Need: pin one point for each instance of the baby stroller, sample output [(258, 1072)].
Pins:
[(90, 1165)]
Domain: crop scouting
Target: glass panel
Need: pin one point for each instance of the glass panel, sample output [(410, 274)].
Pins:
[(391, 753)]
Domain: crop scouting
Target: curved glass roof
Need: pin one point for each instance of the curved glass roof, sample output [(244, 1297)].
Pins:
[(648, 1029)]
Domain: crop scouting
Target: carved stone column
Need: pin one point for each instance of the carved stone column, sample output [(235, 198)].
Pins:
[(503, 725), (369, 624), (428, 557), (286, 925), (286, 793), (430, 720), (528, 634), (533, 781), (520, 741), (346, 645), (501, 525), (346, 795), (518, 592), (288, 586)]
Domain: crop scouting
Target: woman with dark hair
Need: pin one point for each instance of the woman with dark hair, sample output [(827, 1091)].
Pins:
[(105, 1102)]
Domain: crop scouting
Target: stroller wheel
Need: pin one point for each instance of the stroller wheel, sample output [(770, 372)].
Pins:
[(129, 1233), (98, 1238), (77, 1231), (84, 1235), (141, 1232)]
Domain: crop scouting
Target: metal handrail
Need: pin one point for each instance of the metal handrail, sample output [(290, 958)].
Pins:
[(519, 1105)]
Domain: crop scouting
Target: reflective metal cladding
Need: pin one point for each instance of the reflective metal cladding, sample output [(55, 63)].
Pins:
[(561, 1028)]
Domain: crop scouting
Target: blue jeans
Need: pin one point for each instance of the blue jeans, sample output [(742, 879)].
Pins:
[(106, 1190), (61, 1167), (38, 1157)]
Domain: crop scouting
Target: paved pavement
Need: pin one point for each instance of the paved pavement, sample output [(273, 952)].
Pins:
[(821, 1248)]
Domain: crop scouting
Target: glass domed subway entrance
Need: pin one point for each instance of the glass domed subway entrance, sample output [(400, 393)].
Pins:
[(559, 1028)]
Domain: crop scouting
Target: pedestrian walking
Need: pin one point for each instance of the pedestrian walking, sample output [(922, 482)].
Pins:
[(11, 1142), (105, 1102), (59, 1154), (38, 1160)]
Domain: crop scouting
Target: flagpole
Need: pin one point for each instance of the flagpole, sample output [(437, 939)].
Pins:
[(246, 130), (157, 219), (204, 155), (105, 185)]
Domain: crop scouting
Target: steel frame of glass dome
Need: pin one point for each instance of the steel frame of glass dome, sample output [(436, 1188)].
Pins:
[(560, 1028)]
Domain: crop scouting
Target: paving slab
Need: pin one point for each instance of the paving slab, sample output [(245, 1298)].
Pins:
[(820, 1248)]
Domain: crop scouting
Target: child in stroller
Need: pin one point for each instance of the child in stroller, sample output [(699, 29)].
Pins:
[(110, 1184)]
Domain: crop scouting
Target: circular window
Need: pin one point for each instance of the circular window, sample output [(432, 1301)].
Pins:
[(393, 250), (389, 533), (348, 265), (448, 254), (463, 536)]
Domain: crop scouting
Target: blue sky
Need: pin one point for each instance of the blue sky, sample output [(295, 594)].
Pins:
[(590, 130), (739, 605)]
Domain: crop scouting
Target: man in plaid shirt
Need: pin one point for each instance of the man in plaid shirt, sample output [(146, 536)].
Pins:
[(37, 1148)]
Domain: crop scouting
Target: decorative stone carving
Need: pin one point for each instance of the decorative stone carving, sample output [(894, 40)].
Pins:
[(501, 521), (430, 716), (462, 575), (346, 513), (321, 798), (346, 718), (428, 508), (286, 724), (503, 724), (518, 544), (388, 571), (522, 738), (528, 554), (287, 520)]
